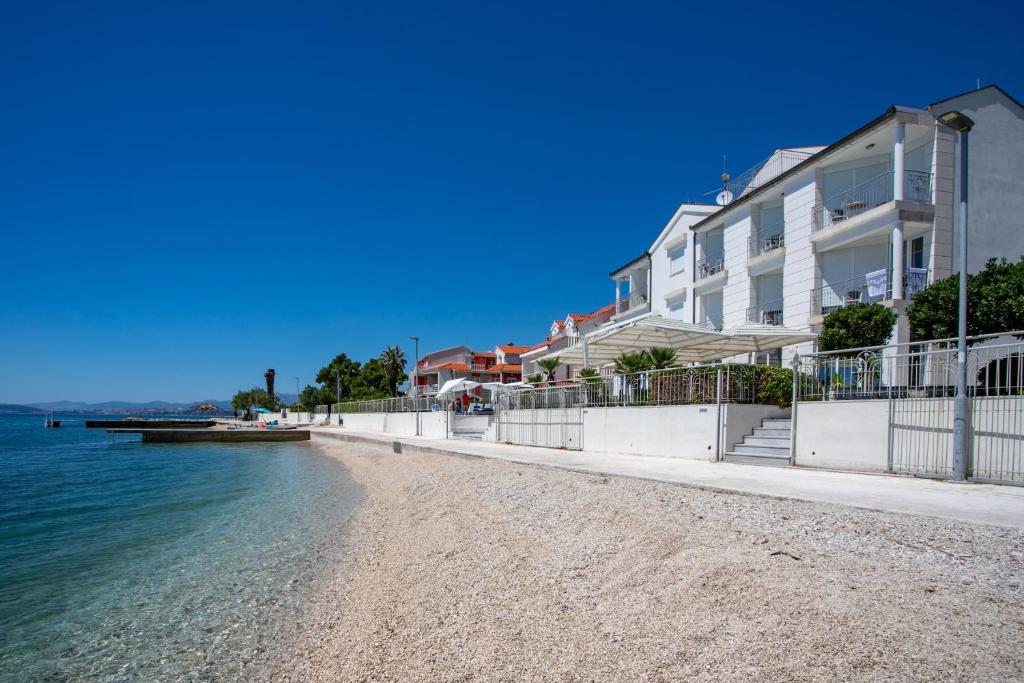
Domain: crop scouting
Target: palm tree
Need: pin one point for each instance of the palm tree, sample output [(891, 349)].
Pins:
[(549, 365), (588, 373), (392, 362), (535, 378), (632, 363), (662, 357)]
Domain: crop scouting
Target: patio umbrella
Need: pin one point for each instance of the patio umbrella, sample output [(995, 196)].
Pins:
[(263, 410), (457, 385)]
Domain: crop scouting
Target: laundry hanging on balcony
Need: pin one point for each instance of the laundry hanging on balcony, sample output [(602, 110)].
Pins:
[(917, 279), (878, 283)]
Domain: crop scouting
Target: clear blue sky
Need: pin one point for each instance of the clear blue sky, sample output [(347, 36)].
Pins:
[(192, 193)]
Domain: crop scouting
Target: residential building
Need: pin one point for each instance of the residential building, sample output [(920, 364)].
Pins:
[(460, 362), (562, 334), (870, 218)]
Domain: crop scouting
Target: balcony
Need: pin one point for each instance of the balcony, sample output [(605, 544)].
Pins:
[(769, 313), (709, 265), (423, 389), (917, 187), (767, 240), (869, 288), (633, 301)]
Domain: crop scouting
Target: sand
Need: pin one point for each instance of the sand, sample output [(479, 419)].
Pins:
[(465, 569)]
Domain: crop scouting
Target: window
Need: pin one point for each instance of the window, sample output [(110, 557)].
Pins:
[(773, 357), (677, 259), (916, 252), (675, 307)]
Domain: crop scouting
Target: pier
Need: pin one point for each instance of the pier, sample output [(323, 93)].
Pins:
[(175, 435), (147, 423)]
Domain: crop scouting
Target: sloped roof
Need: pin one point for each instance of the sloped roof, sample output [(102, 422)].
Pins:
[(506, 367), (512, 349)]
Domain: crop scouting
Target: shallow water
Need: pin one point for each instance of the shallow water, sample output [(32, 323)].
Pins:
[(132, 561)]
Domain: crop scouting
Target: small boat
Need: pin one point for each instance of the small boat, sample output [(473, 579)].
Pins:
[(50, 423)]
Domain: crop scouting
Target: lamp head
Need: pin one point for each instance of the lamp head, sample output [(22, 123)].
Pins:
[(959, 122)]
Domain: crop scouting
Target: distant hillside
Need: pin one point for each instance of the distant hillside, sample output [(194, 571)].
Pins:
[(122, 406), (15, 409)]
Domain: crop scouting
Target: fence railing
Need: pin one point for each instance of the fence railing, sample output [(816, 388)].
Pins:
[(710, 264), (869, 288), (767, 239), (769, 313), (633, 300), (917, 187), (915, 370)]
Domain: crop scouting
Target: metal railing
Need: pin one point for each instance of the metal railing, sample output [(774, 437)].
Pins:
[(869, 288), (767, 239), (633, 300), (765, 172), (710, 264), (917, 187), (769, 313), (913, 369)]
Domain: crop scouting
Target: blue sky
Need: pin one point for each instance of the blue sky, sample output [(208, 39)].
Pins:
[(192, 193)]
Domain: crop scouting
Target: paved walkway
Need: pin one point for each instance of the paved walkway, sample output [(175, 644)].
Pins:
[(986, 503)]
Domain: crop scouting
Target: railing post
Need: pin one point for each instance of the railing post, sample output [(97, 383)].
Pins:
[(718, 415), (793, 408)]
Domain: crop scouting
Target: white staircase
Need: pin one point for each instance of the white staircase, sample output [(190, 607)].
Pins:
[(768, 445)]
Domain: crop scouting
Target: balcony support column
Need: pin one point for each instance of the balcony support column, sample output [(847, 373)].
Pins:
[(897, 261), (899, 161), (618, 295)]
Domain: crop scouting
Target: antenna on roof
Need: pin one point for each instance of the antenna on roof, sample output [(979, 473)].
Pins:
[(725, 196), (978, 83)]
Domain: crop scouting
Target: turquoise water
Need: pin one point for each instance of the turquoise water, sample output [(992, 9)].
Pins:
[(140, 562)]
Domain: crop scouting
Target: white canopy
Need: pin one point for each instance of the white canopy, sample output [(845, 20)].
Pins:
[(457, 385), (692, 343)]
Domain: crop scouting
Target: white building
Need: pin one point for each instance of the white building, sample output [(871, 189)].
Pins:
[(869, 218)]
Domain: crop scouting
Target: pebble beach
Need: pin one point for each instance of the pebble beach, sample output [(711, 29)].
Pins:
[(457, 568)]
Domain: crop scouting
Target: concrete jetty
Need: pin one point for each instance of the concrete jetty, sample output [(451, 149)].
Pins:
[(215, 435), (149, 423)]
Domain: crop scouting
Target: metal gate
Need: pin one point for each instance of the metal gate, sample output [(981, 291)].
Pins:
[(550, 417), (921, 404)]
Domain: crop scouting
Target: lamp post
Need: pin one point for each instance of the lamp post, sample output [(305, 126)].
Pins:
[(297, 392), (962, 125), (415, 387), (337, 377)]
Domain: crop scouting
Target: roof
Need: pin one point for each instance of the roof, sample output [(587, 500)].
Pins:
[(992, 86), (506, 367), (450, 348), (560, 324), (514, 350), (485, 354), (463, 367), (641, 257), (813, 159)]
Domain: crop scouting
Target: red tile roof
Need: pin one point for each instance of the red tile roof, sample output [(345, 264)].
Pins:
[(463, 367), (506, 367), (560, 324), (514, 350), (528, 349), (485, 354)]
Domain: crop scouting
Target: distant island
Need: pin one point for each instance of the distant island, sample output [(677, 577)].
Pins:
[(15, 409)]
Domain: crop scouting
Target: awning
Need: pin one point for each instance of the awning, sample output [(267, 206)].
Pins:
[(692, 343)]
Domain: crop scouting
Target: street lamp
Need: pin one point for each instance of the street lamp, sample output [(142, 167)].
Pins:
[(297, 392), (415, 387), (962, 124), (337, 377)]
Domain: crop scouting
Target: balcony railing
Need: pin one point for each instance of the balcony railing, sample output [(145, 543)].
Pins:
[(866, 289), (423, 389), (767, 239), (767, 314), (917, 187), (710, 264), (634, 300)]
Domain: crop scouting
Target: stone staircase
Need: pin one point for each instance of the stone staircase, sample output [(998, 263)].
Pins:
[(768, 445)]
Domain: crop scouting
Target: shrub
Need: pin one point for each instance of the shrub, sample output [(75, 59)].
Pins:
[(995, 303), (855, 326)]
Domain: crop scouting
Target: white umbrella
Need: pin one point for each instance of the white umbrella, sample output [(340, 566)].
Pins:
[(457, 385)]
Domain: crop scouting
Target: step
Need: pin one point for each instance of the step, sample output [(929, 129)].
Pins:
[(777, 422), (770, 431), (748, 459), (767, 451), (773, 441)]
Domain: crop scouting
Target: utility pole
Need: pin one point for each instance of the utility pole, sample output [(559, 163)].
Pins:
[(337, 376), (962, 125)]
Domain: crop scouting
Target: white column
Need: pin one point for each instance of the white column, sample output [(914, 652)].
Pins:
[(899, 161), (618, 294), (897, 260)]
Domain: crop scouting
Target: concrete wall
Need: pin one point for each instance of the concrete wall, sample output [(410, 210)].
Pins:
[(844, 435), (666, 431), (432, 425)]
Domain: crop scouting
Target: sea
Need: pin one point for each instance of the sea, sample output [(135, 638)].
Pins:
[(125, 561)]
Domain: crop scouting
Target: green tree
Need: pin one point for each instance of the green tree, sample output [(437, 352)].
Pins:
[(392, 362), (535, 378), (856, 325), (312, 396), (995, 303), (588, 373), (371, 382), (341, 371), (255, 397), (549, 365), (661, 357)]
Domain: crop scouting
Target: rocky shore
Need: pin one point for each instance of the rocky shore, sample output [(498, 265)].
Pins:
[(466, 569)]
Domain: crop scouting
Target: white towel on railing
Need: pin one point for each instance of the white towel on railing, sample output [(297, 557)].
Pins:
[(917, 279), (878, 282)]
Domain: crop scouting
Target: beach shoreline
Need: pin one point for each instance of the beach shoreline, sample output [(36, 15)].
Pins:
[(460, 568)]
